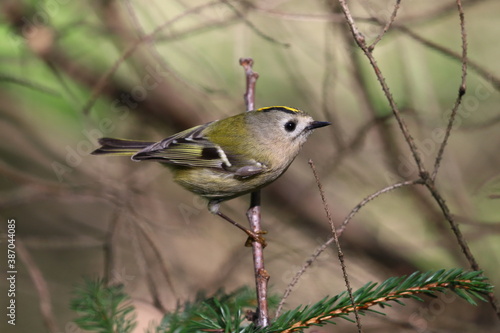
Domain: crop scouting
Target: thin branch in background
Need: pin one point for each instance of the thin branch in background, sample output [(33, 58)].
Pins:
[(445, 10), (485, 124), (103, 80), (110, 250), (479, 69), (299, 274), (424, 199), (135, 20), (460, 238), (40, 286), (62, 80), (337, 18), (29, 84), (369, 198), (387, 26), (461, 91), (360, 40), (157, 56), (253, 27), (207, 26), (355, 143), (330, 75), (426, 179), (429, 182), (42, 44), (337, 243), (149, 236), (360, 84), (253, 213), (330, 240), (142, 261)]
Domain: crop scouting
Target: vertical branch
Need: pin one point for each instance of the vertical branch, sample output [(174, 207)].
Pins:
[(337, 243), (461, 90), (251, 80), (361, 42), (253, 213)]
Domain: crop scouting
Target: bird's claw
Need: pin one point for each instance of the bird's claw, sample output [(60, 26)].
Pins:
[(256, 237)]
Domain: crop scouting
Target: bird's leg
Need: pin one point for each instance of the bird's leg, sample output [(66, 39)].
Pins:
[(252, 236)]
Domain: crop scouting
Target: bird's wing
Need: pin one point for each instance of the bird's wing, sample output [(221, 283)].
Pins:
[(192, 149)]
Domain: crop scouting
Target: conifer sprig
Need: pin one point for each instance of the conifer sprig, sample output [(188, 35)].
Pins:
[(465, 284), (103, 308), (107, 309)]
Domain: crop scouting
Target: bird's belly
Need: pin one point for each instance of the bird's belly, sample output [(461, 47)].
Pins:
[(214, 184)]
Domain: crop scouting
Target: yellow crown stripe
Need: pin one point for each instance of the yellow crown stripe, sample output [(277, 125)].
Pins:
[(279, 108)]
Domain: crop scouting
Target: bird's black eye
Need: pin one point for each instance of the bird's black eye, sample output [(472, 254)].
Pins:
[(290, 126)]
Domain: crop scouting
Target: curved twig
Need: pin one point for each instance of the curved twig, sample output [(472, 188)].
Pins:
[(461, 91), (330, 240)]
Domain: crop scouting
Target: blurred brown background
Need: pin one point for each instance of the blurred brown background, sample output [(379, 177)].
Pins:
[(79, 215)]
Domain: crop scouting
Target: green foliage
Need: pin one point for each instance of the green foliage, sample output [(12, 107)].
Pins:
[(221, 310), (103, 308), (465, 284)]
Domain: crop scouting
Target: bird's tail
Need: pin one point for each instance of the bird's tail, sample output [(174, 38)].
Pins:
[(110, 146)]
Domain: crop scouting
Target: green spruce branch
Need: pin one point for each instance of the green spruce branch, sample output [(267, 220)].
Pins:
[(465, 284), (219, 310), (103, 308), (226, 312)]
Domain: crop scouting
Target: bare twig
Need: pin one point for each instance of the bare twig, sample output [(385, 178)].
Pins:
[(301, 272), (425, 177), (461, 91), (253, 26), (149, 236), (429, 181), (142, 261), (459, 236), (369, 198), (360, 40), (253, 213), (446, 9), (40, 286), (479, 69), (336, 18), (337, 243), (330, 240), (133, 47), (387, 26)]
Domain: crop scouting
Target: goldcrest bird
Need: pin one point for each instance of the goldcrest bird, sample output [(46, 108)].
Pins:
[(226, 158)]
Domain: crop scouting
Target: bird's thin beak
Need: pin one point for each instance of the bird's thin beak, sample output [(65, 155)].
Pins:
[(317, 124)]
